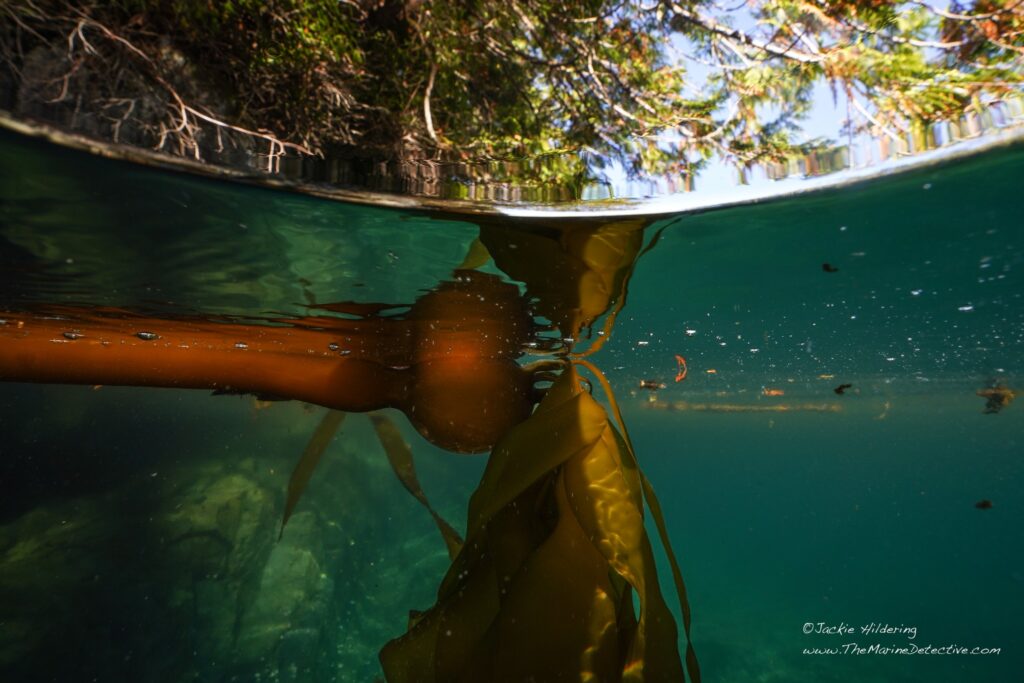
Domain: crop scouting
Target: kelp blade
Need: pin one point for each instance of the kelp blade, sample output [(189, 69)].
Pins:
[(322, 437), (575, 274), (556, 543), (400, 457), (692, 665)]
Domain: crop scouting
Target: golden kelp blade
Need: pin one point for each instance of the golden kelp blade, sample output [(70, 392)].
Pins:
[(323, 435), (556, 543), (692, 666), (476, 256), (400, 456), (591, 265)]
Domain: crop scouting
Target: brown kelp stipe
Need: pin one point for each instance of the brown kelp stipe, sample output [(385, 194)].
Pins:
[(448, 363)]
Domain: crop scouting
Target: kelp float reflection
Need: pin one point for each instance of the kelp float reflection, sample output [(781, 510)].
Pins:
[(543, 586)]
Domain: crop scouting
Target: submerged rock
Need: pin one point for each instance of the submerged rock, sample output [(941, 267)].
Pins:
[(288, 624), (179, 581), (175, 574)]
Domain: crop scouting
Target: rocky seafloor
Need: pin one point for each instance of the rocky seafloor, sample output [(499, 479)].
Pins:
[(177, 574)]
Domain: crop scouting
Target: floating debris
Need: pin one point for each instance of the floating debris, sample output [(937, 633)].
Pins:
[(147, 336), (681, 371), (770, 391), (333, 346), (885, 411), (985, 504), (996, 398), (241, 345), (651, 384), (842, 388), (829, 268), (74, 334)]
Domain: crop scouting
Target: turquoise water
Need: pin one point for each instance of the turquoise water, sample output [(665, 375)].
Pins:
[(138, 526)]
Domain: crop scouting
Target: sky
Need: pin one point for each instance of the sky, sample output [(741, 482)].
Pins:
[(827, 117)]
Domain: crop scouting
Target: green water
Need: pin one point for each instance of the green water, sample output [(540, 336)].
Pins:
[(109, 569)]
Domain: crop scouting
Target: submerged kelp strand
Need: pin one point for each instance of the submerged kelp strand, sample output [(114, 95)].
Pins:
[(399, 456), (318, 443)]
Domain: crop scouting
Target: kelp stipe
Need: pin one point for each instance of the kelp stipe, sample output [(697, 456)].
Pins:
[(542, 589)]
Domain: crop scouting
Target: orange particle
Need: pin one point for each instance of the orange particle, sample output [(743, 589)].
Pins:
[(711, 371), (767, 391), (681, 372)]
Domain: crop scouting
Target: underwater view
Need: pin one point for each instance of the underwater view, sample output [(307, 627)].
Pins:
[(252, 435)]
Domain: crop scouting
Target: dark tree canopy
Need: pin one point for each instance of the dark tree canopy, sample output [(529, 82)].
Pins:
[(659, 86)]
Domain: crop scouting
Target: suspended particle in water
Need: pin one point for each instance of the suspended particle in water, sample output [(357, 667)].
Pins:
[(985, 504), (829, 268), (642, 343), (241, 345), (74, 334), (680, 368), (841, 389), (965, 309), (333, 346), (147, 336), (996, 398)]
